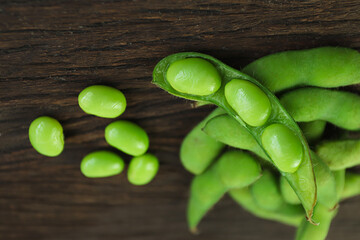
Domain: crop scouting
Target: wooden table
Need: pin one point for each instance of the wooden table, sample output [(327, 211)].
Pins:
[(51, 50)]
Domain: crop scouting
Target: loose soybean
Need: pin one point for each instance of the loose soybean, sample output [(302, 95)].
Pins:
[(102, 101), (46, 136), (127, 137), (143, 169), (101, 164)]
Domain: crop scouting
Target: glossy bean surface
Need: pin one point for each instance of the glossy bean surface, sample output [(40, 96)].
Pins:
[(127, 137), (101, 164), (143, 169), (46, 136), (102, 101)]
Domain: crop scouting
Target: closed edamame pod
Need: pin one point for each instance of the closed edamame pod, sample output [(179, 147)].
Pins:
[(198, 150), (226, 98), (287, 214), (234, 169)]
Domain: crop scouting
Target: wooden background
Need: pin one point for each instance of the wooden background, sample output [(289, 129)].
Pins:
[(51, 50)]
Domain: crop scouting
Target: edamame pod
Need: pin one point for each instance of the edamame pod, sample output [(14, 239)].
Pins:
[(340, 182), (323, 216), (313, 130), (266, 192), (339, 108), (352, 185), (46, 136), (339, 154), (287, 214), (322, 67), (278, 115), (287, 192), (234, 169), (226, 129), (198, 150)]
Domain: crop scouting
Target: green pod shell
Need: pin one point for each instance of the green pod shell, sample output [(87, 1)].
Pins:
[(205, 191), (234, 169), (194, 76), (283, 146), (238, 169), (339, 108), (278, 114), (197, 159), (143, 169), (322, 67), (326, 183), (339, 176), (266, 193), (46, 136), (248, 101), (101, 164), (127, 137), (352, 185), (287, 214), (287, 192), (102, 101), (313, 130), (339, 154), (323, 216)]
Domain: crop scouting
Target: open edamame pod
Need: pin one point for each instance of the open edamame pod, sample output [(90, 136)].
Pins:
[(308, 104), (234, 169), (322, 67), (231, 87), (287, 214), (198, 150), (339, 154)]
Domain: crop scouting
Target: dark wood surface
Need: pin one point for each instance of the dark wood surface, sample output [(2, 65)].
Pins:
[(51, 50)]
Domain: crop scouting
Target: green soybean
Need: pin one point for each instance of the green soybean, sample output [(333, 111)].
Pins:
[(339, 108), (101, 164), (322, 67), (278, 115), (352, 185), (198, 150), (143, 169), (287, 214), (193, 76), (283, 146), (339, 154), (234, 169), (127, 137), (287, 192), (248, 101), (46, 136), (102, 101), (266, 192), (323, 216)]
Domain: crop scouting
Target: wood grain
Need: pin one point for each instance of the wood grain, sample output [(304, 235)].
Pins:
[(51, 50)]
